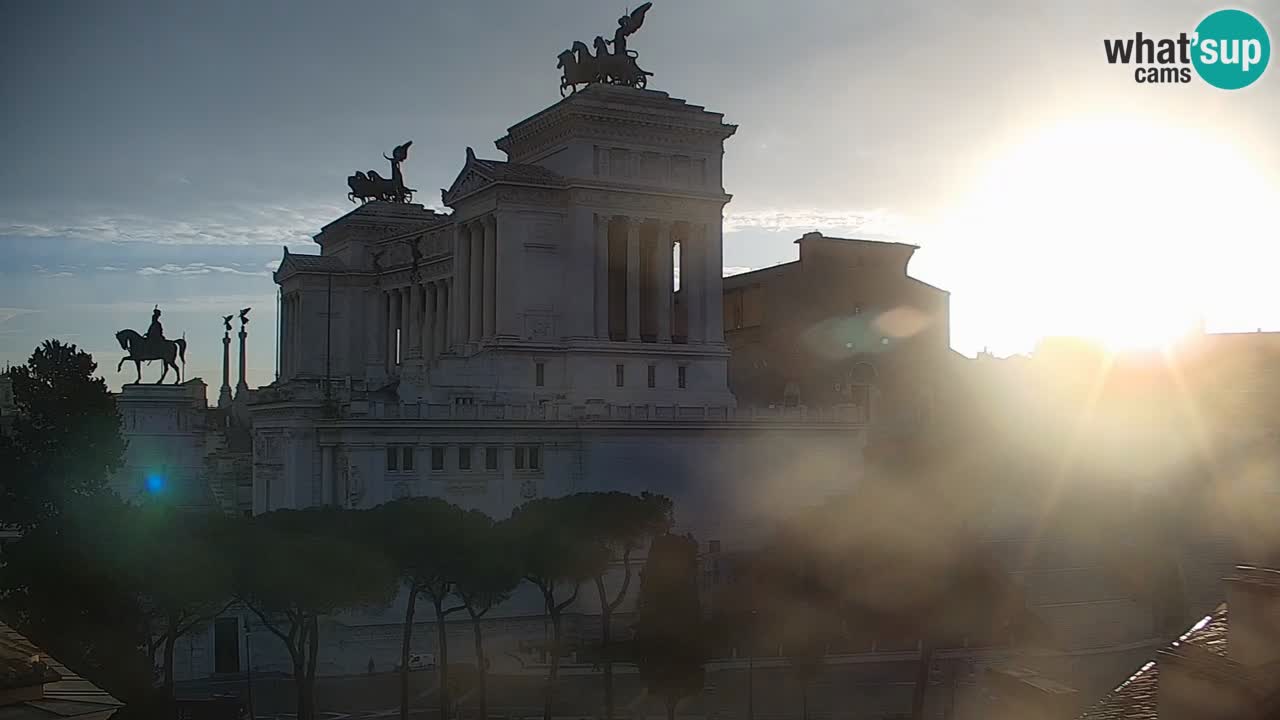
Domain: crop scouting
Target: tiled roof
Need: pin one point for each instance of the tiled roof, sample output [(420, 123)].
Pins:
[(69, 697), (1136, 698), (316, 263), (519, 172)]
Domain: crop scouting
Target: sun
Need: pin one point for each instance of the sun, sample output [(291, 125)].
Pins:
[(1122, 229)]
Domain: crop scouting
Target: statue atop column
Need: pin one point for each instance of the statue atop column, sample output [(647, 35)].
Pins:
[(152, 346), (372, 186), (618, 67)]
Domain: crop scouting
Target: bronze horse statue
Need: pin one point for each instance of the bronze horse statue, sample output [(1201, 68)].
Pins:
[(140, 348), (619, 67), (372, 186)]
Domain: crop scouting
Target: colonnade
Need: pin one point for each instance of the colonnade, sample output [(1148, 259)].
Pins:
[(635, 280), (414, 320)]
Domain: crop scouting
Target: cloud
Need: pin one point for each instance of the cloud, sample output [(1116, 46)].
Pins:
[(62, 274), (109, 268), (800, 220), (195, 269), (194, 303), (258, 225), (9, 313)]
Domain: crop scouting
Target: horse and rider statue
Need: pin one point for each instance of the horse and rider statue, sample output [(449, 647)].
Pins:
[(153, 346), (375, 187), (618, 67)]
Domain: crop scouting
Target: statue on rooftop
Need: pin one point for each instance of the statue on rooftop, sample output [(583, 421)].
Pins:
[(152, 346), (619, 67), (372, 186)]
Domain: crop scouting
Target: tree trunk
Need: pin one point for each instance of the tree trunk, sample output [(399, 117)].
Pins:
[(804, 703), (404, 652), (300, 685), (672, 701), (554, 673), (922, 679), (311, 667), (442, 644), (480, 665), (606, 614), (170, 639)]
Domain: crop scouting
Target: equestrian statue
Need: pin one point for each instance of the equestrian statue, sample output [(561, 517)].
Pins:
[(618, 67), (152, 346), (375, 187)]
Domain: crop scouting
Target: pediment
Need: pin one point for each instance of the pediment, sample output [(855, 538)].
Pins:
[(471, 178)]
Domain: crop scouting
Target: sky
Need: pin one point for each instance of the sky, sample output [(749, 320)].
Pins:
[(164, 153)]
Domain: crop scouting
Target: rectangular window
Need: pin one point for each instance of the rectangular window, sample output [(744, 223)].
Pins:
[(226, 645), (528, 457), (407, 454), (539, 374), (437, 458), (464, 457), (713, 546), (653, 376), (680, 376), (491, 458), (619, 375), (393, 459)]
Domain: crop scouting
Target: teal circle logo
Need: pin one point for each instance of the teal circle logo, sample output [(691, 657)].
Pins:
[(1231, 49)]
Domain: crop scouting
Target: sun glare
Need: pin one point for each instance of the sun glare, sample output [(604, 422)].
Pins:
[(1119, 229)]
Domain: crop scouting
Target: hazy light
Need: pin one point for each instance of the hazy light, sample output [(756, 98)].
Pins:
[(155, 483), (1121, 229)]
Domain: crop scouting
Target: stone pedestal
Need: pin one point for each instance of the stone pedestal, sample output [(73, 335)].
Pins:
[(166, 428)]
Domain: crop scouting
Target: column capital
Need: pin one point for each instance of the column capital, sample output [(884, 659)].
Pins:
[(488, 221)]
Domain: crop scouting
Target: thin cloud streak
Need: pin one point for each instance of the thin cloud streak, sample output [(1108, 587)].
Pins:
[(196, 269), (265, 225), (879, 223)]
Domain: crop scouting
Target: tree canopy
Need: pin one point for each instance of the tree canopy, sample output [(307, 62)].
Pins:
[(65, 440)]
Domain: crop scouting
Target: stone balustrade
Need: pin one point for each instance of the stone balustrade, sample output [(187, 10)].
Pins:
[(605, 413)]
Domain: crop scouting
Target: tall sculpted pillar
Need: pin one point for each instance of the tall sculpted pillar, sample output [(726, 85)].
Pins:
[(663, 286), (602, 276), (490, 269), (475, 305), (633, 279)]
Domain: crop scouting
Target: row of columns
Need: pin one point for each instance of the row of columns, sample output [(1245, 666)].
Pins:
[(415, 320), (291, 332), (648, 265), (476, 268)]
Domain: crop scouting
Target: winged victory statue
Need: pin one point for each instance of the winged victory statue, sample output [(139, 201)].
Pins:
[(613, 67)]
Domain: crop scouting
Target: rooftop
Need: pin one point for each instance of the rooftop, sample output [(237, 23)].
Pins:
[(1137, 697), (66, 695), (815, 235)]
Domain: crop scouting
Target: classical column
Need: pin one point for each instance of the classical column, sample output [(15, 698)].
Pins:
[(691, 281), (224, 394), (475, 302), (244, 333), (443, 324), (461, 283), (415, 320), (427, 329), (633, 279), (406, 324), (326, 475), (490, 283), (393, 327), (713, 292), (388, 330), (602, 276), (663, 286), (374, 344)]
